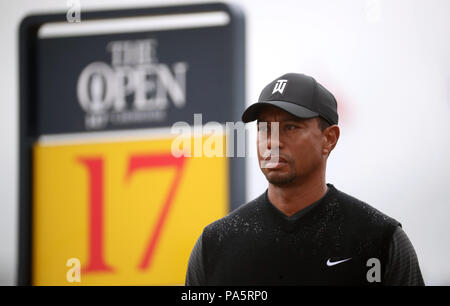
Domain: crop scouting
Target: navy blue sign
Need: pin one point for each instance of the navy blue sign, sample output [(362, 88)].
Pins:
[(123, 70)]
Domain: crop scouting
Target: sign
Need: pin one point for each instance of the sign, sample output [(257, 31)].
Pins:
[(99, 185)]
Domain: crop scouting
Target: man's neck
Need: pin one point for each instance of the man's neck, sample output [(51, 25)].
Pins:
[(293, 198)]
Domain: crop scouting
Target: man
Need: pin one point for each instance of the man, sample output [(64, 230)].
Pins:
[(301, 231)]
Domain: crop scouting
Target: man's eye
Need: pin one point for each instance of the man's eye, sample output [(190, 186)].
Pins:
[(290, 127)]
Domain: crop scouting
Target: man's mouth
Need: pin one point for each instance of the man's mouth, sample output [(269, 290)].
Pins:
[(274, 162)]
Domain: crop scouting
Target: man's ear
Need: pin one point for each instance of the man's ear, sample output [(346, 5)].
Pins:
[(330, 137)]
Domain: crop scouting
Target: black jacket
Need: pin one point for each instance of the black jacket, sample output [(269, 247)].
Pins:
[(337, 240)]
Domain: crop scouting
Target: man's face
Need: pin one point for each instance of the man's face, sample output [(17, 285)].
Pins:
[(299, 146)]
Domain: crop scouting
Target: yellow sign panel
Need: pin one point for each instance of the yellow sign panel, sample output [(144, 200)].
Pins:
[(128, 211)]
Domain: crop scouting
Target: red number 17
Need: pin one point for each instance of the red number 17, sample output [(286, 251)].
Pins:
[(94, 165)]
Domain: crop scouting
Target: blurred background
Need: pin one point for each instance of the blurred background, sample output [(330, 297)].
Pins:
[(388, 64)]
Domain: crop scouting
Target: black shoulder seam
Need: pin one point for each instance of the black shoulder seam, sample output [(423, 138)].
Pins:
[(348, 198)]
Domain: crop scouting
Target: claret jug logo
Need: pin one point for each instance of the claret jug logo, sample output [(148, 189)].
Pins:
[(133, 88)]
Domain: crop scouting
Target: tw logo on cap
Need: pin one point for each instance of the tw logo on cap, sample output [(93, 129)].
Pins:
[(279, 86)]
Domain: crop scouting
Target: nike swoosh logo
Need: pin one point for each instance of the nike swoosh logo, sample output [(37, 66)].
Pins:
[(330, 264)]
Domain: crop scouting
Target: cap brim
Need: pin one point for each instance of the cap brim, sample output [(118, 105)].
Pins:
[(251, 113)]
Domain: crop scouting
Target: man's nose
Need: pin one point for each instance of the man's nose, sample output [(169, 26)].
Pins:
[(273, 139)]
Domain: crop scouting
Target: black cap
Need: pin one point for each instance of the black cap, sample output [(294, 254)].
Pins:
[(298, 94)]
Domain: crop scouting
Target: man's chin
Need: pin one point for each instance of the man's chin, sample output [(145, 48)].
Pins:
[(280, 180)]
